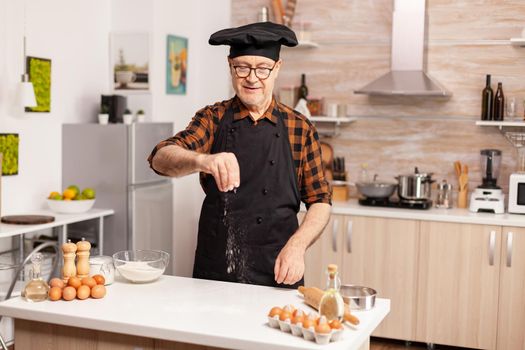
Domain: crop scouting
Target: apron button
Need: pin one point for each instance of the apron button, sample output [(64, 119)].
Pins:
[(278, 134), (232, 130), (272, 162), (265, 191), (259, 220)]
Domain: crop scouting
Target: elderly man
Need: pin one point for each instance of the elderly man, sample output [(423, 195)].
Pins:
[(257, 160)]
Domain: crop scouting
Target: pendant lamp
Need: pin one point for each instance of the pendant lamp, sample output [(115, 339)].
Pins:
[(26, 89)]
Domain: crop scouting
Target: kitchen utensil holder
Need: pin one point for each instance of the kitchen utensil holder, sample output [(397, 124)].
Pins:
[(462, 199), (340, 192)]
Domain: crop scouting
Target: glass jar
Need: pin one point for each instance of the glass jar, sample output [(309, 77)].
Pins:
[(444, 195), (102, 265)]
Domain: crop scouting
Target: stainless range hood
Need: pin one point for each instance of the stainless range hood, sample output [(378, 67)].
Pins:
[(407, 76)]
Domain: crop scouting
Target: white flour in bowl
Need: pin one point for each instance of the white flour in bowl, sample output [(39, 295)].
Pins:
[(139, 271)]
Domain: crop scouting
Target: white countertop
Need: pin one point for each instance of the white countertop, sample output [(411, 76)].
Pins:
[(456, 215), (8, 230), (211, 313)]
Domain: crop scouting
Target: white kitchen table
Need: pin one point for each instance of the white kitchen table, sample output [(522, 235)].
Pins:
[(174, 309)]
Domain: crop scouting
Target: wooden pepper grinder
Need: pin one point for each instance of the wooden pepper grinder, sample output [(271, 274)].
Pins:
[(83, 248), (69, 269)]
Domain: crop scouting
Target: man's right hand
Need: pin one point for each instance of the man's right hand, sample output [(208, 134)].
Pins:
[(224, 167)]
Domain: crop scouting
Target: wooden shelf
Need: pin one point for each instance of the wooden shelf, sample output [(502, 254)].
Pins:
[(336, 121), (517, 42), (500, 124)]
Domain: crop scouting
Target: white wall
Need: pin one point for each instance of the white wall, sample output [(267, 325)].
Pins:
[(207, 82), (73, 34)]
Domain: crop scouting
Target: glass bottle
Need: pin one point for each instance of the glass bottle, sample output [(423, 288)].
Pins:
[(487, 96), (36, 289), (499, 103), (332, 305), (303, 89), (363, 175)]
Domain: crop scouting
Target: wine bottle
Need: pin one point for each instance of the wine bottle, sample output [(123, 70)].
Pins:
[(487, 96), (499, 103), (303, 89)]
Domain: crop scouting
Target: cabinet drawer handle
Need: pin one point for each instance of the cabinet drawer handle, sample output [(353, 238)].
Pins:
[(349, 237), (492, 244), (335, 228), (509, 249)]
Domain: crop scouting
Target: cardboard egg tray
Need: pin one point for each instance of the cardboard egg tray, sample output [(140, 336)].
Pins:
[(307, 333)]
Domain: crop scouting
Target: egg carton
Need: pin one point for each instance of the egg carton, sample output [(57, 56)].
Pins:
[(307, 333)]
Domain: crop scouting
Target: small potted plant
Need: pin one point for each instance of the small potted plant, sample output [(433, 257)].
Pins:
[(127, 117), (141, 117), (103, 116)]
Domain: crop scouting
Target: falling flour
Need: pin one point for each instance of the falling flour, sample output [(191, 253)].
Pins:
[(236, 252)]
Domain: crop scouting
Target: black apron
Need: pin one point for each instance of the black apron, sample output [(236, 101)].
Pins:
[(241, 233)]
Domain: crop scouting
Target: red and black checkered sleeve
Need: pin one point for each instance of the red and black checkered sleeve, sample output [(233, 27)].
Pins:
[(314, 187), (198, 135)]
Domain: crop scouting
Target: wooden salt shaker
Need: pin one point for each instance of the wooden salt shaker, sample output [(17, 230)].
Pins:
[(69, 269), (83, 248)]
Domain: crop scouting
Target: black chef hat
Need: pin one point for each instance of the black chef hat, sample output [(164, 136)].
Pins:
[(256, 39)]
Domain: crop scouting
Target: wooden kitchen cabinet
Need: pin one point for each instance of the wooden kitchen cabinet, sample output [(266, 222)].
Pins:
[(458, 284), (326, 250), (511, 317), (382, 253)]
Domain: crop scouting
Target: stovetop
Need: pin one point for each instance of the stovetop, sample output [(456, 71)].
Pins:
[(395, 203)]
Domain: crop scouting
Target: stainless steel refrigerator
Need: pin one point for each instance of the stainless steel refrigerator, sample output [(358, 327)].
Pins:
[(112, 159)]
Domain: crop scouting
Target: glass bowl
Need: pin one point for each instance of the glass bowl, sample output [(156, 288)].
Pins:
[(70, 207), (141, 266)]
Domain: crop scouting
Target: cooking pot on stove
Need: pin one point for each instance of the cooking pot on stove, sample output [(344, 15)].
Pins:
[(415, 187), (376, 188)]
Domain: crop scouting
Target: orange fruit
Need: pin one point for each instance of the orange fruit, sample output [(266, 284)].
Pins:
[(54, 195), (69, 193)]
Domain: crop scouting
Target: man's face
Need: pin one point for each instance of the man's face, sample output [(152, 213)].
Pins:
[(254, 91)]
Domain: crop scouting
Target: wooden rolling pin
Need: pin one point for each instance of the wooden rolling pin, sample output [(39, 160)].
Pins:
[(313, 295)]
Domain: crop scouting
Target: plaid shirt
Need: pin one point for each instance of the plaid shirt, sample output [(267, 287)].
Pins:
[(304, 141)]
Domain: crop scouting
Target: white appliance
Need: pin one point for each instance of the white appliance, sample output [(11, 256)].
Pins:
[(487, 200), (517, 193), (489, 197), (516, 203), (113, 160)]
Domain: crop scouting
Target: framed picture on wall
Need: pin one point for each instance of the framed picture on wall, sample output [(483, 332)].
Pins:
[(176, 64), (9, 150), (39, 71), (129, 60)]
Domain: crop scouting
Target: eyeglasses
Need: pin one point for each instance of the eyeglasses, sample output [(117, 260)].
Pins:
[(260, 72)]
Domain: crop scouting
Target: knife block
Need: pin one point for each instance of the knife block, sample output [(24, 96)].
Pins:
[(340, 193)]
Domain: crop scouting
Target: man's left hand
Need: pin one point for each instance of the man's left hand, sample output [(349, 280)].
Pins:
[(289, 265)]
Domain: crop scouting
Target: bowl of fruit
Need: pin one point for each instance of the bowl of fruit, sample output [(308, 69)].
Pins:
[(72, 200)]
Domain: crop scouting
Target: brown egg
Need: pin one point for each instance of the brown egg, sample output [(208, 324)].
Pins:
[(323, 326), (98, 291), (55, 293), (69, 293), (56, 282), (298, 317), (83, 292), (276, 310), (285, 315), (74, 282), (89, 281), (307, 322), (336, 324), (99, 279)]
